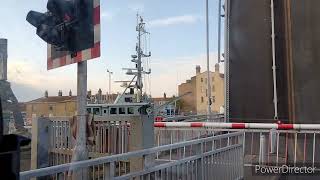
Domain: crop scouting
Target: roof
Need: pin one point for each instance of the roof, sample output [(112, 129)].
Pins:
[(54, 99), (22, 106), (161, 99)]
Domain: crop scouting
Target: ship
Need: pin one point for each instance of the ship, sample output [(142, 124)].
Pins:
[(134, 96)]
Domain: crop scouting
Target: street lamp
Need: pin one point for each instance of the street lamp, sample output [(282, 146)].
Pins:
[(110, 73)]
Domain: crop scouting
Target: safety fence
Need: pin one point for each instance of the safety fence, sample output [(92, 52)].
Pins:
[(216, 157), (269, 144), (111, 136)]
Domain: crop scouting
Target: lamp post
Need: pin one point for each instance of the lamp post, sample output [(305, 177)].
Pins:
[(110, 73)]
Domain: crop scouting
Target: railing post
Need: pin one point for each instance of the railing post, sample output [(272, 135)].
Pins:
[(40, 143), (141, 137), (262, 150), (109, 171), (200, 162), (273, 140)]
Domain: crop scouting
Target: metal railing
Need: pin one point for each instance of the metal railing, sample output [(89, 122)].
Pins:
[(112, 136), (216, 157), (265, 143)]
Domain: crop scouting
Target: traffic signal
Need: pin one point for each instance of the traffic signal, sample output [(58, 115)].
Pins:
[(67, 25)]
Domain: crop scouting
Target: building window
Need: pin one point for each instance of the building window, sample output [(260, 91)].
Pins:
[(51, 108), (89, 110), (130, 110), (213, 99), (105, 111), (202, 100), (122, 111), (113, 111), (96, 111), (127, 99), (201, 79)]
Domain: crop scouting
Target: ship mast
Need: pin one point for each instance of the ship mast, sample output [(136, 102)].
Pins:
[(139, 71)]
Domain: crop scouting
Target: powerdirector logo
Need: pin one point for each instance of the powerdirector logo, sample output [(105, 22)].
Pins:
[(286, 169)]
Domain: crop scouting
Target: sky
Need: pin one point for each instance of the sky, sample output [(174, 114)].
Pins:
[(177, 43)]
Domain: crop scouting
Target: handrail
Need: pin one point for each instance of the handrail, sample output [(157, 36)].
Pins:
[(118, 157)]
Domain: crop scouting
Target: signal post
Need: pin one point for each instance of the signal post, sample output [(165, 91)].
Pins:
[(72, 30)]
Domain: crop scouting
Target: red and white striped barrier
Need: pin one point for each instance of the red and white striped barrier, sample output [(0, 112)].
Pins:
[(237, 125)]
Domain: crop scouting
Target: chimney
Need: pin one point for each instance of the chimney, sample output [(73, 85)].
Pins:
[(3, 59), (89, 93), (165, 95), (70, 93), (60, 93), (217, 68), (46, 94), (198, 69)]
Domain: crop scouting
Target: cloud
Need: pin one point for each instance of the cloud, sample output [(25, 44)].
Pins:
[(184, 19), (166, 79), (30, 80), (107, 15), (138, 7)]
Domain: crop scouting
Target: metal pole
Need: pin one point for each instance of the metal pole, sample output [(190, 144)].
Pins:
[(208, 60), (81, 151), (139, 82), (274, 69), (226, 61), (109, 83), (110, 73), (219, 32)]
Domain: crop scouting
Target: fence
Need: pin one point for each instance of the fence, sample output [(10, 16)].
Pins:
[(269, 144), (202, 158), (112, 136)]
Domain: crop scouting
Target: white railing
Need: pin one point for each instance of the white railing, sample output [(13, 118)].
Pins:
[(112, 136), (203, 158), (269, 144)]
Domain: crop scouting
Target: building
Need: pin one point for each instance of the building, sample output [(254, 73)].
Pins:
[(166, 109), (100, 98), (3, 59), (52, 106), (197, 101)]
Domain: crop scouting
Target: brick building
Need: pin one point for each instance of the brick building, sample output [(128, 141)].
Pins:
[(197, 101)]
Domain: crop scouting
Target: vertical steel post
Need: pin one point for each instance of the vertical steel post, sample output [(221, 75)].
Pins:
[(81, 151), (262, 149), (274, 68), (208, 61), (139, 63), (226, 61), (219, 32)]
